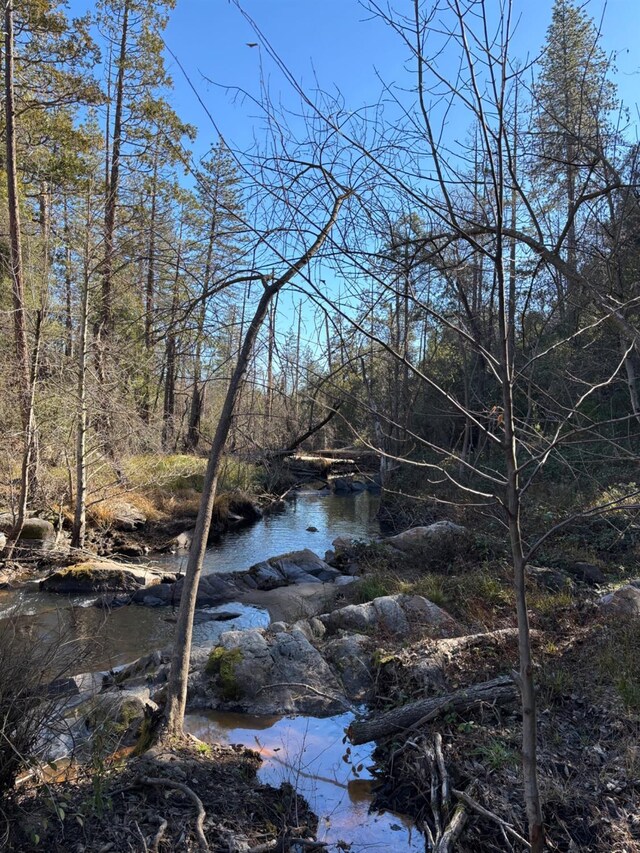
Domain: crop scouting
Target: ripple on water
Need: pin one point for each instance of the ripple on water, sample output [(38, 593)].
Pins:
[(308, 752)]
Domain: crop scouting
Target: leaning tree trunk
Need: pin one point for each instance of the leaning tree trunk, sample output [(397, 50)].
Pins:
[(177, 687)]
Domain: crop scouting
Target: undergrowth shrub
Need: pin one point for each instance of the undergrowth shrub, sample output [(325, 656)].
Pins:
[(28, 664)]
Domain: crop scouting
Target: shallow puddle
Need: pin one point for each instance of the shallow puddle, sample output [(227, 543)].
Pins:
[(310, 754)]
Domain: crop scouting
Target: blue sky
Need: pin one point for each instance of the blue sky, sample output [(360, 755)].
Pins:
[(339, 42)]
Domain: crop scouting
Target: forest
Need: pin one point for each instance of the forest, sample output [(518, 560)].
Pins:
[(423, 309)]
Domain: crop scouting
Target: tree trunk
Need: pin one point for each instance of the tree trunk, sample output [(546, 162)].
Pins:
[(80, 514), (25, 377), (150, 293), (177, 686), (106, 313), (497, 691), (169, 406), (68, 281), (198, 393)]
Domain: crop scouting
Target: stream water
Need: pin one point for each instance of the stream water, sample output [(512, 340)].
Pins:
[(307, 752), (334, 515), (311, 755)]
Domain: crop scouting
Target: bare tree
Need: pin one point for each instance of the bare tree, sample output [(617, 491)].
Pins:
[(177, 687)]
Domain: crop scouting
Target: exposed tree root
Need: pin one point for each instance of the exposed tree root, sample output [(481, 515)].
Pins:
[(178, 786)]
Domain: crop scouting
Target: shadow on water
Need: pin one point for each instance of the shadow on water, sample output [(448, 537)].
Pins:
[(310, 754)]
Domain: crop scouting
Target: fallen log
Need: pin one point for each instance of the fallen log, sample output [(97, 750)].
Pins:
[(498, 691)]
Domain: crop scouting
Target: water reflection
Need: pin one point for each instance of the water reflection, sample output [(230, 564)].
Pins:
[(332, 516), (99, 640), (91, 639), (309, 753)]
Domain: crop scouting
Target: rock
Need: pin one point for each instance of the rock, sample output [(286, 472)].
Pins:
[(126, 516), (624, 601), (554, 580), (418, 537), (117, 716), (266, 576), (298, 567), (130, 550), (153, 601), (262, 672), (143, 666), (344, 580), (212, 590), (587, 573), (37, 534), (83, 685), (100, 577), (312, 529), (183, 540), (358, 486), (341, 485), (343, 543), (288, 603), (314, 486), (352, 659), (395, 614)]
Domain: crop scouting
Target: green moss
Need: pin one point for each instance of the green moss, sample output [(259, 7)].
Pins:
[(222, 664), (145, 737)]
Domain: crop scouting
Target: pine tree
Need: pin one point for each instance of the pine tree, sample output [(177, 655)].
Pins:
[(574, 99)]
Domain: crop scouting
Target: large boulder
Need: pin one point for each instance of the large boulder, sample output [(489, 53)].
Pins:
[(125, 516), (295, 568), (432, 534), (90, 577), (351, 658), (586, 573), (624, 601), (398, 615), (263, 672), (113, 719), (37, 534), (212, 589), (554, 580)]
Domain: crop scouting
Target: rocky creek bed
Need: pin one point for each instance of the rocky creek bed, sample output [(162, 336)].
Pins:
[(428, 689)]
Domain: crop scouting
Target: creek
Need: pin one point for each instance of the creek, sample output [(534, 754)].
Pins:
[(307, 752)]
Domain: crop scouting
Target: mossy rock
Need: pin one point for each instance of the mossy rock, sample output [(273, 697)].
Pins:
[(222, 665), (92, 577)]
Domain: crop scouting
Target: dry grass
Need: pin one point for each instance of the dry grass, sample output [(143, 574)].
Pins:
[(158, 487)]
